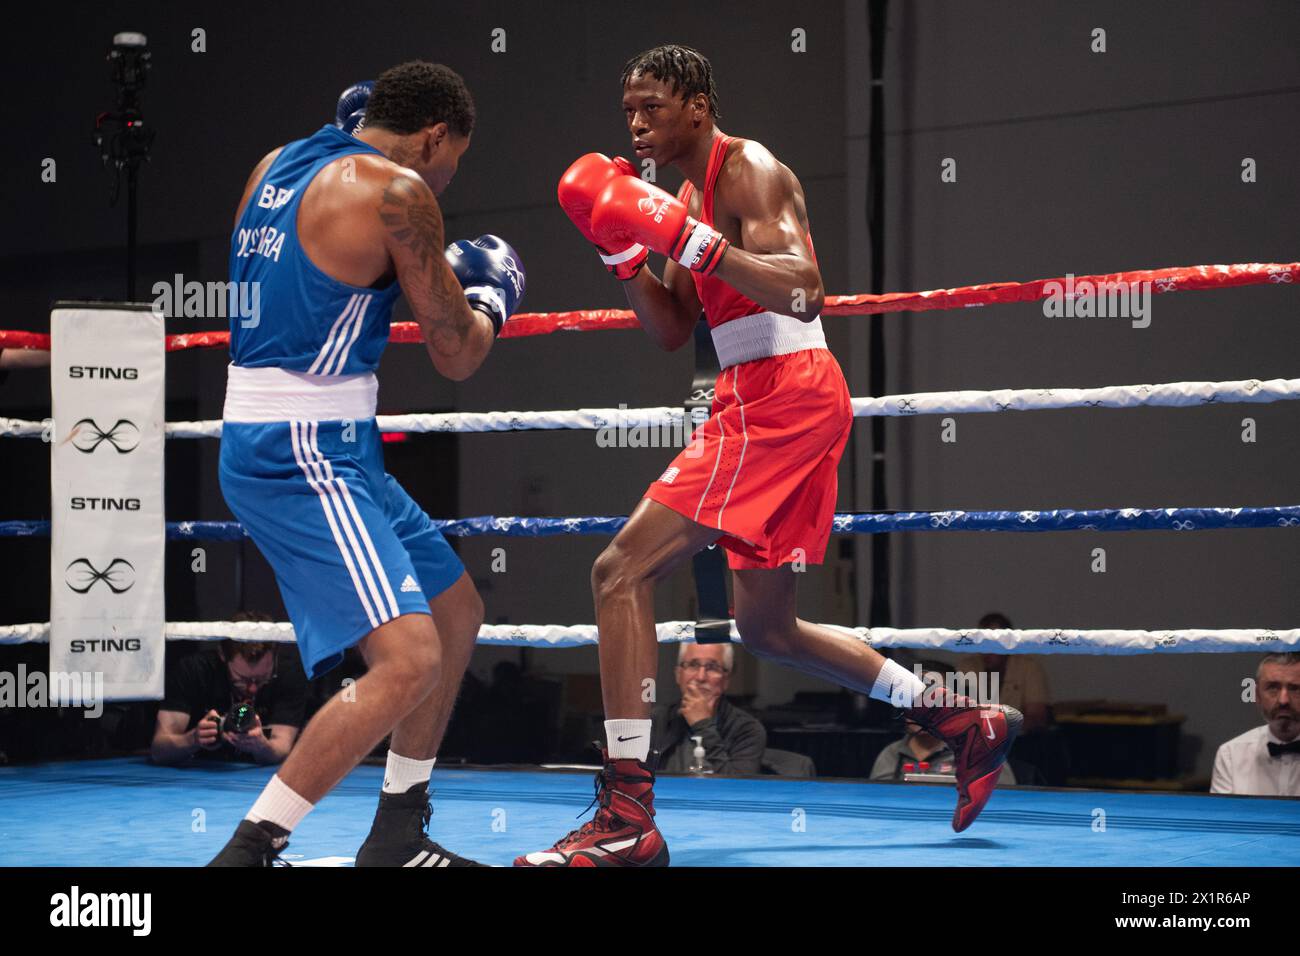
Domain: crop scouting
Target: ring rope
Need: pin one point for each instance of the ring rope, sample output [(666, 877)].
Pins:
[(1170, 395), (1175, 279), (1064, 519), (1009, 641)]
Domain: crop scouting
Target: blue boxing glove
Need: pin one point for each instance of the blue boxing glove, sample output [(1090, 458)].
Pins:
[(350, 113), (490, 273)]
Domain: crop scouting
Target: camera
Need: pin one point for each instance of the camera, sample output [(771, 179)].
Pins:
[(238, 720), (121, 136)]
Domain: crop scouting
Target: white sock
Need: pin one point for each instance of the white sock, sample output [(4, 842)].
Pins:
[(635, 742), (896, 685), (280, 805), (403, 773)]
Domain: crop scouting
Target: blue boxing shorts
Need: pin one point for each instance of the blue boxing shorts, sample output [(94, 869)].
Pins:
[(351, 550)]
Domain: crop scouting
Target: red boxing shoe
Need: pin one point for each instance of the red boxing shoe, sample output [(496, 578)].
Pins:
[(623, 831), (979, 735)]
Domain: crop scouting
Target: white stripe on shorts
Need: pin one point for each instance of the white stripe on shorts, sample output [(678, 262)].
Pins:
[(735, 371), (361, 529), (722, 441), (327, 496)]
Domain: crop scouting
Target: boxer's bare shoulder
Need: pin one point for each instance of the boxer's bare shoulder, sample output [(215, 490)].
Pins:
[(751, 172), (341, 222)]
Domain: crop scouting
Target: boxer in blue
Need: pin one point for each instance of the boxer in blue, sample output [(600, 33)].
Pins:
[(334, 228)]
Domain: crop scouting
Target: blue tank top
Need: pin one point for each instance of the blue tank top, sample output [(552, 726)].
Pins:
[(306, 321)]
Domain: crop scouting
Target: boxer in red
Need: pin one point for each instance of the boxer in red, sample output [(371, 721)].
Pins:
[(739, 249)]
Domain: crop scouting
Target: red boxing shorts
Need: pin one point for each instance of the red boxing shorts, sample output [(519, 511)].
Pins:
[(762, 468)]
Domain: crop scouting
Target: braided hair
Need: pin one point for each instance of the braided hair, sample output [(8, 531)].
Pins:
[(689, 72)]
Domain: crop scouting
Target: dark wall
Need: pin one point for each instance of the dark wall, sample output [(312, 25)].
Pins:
[(1074, 161)]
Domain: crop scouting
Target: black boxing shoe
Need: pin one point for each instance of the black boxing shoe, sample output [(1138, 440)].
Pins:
[(252, 845), (398, 837)]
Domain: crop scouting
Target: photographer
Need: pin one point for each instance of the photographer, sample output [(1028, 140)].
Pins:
[(242, 702)]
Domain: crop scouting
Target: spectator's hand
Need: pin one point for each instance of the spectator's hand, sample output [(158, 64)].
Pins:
[(252, 741), (699, 702), (207, 732)]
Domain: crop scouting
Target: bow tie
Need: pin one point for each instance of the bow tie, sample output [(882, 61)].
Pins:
[(1277, 750)]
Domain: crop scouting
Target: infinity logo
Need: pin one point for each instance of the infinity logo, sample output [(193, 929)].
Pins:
[(81, 575), (123, 436), (515, 273)]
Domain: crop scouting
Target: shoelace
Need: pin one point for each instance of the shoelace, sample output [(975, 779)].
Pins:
[(426, 815), (272, 856), (601, 785)]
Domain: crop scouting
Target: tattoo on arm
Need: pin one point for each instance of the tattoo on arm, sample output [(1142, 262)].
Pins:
[(413, 219)]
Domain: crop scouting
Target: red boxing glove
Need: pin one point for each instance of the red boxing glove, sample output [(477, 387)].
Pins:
[(581, 184), (630, 210)]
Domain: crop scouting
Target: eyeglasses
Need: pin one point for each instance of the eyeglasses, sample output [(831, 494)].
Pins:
[(244, 682), (712, 667)]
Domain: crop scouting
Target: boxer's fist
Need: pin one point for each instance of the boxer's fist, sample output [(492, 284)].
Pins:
[(579, 186), (491, 274), (629, 210), (351, 108)]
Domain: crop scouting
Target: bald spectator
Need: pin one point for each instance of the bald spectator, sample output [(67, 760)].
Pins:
[(1266, 761), (733, 740)]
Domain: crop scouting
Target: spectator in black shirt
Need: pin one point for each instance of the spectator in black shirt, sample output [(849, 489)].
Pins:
[(733, 740), (206, 686)]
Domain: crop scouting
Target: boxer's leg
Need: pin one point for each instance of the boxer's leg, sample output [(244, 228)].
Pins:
[(457, 616), (654, 542), (398, 835), (404, 661), (980, 737), (404, 658), (765, 616)]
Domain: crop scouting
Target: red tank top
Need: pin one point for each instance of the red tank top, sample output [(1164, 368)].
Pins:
[(721, 302)]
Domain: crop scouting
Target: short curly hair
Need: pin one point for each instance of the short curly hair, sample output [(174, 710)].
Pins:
[(410, 96)]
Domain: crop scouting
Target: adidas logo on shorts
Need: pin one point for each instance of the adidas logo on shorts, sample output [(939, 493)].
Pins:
[(410, 585), (670, 475)]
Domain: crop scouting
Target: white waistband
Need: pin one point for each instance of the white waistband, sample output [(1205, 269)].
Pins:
[(279, 395), (763, 335)]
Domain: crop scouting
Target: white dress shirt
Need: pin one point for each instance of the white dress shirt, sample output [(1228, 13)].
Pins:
[(1243, 766)]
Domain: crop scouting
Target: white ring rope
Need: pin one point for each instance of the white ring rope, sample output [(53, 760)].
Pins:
[(1008, 641), (1170, 395)]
